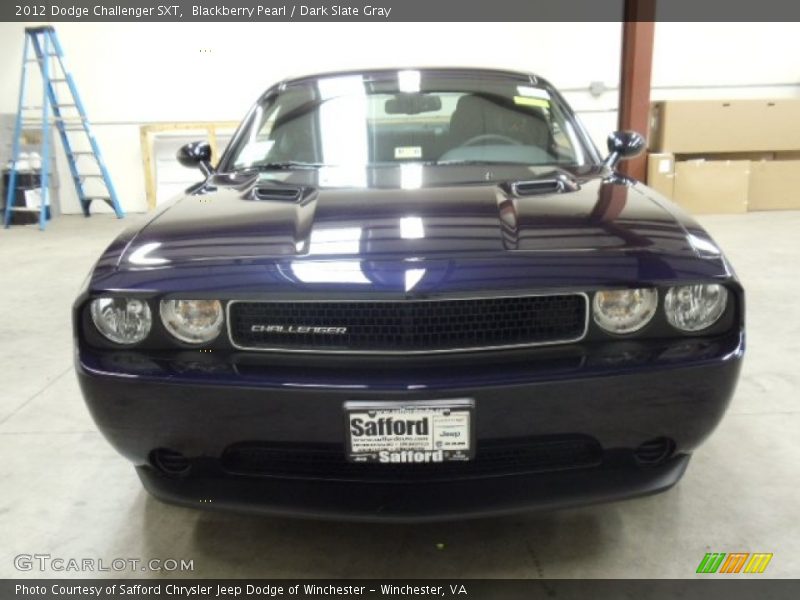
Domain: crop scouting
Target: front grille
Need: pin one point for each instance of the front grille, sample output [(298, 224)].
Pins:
[(408, 325), (492, 458)]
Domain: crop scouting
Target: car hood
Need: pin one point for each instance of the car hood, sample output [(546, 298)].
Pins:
[(410, 212)]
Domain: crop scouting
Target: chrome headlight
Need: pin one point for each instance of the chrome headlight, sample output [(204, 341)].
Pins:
[(624, 311), (192, 321), (695, 307), (122, 320)]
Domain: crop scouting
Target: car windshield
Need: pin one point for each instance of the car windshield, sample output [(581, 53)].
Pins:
[(350, 120)]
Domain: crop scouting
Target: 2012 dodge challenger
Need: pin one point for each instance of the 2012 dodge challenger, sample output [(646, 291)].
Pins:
[(410, 295)]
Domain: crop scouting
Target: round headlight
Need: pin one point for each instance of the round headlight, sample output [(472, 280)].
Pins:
[(122, 320), (624, 311), (695, 307), (192, 321)]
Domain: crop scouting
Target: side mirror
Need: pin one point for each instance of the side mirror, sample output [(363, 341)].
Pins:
[(196, 155), (623, 145)]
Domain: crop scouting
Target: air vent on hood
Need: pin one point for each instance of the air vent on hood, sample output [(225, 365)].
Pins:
[(279, 193), (546, 185)]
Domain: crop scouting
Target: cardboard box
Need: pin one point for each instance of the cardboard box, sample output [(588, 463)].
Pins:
[(661, 173), (774, 185), (712, 186), (731, 156), (703, 126)]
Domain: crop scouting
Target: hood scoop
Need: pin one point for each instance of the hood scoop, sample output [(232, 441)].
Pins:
[(274, 193), (551, 183)]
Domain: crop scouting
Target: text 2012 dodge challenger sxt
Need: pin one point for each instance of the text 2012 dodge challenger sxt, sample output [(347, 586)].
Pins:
[(410, 294)]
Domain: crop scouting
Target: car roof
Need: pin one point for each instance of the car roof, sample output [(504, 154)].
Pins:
[(382, 74)]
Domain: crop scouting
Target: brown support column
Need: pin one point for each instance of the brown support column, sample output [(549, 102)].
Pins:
[(634, 85)]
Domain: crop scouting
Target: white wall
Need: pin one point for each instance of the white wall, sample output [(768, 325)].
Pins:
[(752, 55), (129, 74)]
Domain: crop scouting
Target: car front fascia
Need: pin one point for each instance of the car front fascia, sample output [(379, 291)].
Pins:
[(621, 390)]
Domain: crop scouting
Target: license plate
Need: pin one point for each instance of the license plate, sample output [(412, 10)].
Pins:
[(398, 432)]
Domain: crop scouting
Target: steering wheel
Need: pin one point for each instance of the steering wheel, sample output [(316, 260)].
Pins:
[(504, 139)]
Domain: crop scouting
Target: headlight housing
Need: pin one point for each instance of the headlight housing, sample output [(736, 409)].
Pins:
[(695, 307), (192, 321), (122, 320), (624, 311)]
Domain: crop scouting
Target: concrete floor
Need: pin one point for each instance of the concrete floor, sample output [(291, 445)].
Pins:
[(65, 492)]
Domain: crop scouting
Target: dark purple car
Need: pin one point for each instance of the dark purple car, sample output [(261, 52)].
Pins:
[(410, 294)]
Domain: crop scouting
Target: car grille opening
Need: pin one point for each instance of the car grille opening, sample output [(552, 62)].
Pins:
[(492, 458), (408, 325)]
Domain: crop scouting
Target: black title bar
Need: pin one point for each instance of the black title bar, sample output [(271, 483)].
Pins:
[(392, 10), (709, 588)]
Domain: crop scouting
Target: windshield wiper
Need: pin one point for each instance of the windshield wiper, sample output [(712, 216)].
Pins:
[(478, 162), (282, 165)]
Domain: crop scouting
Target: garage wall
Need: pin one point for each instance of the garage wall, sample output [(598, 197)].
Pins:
[(130, 74), (726, 60)]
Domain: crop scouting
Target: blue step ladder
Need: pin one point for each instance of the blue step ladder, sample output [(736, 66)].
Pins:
[(61, 107)]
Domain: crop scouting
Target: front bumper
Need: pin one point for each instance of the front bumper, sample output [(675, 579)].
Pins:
[(677, 391), (370, 501)]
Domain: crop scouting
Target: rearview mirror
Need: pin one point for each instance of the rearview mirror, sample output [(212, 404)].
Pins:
[(196, 155), (412, 104), (623, 145)]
